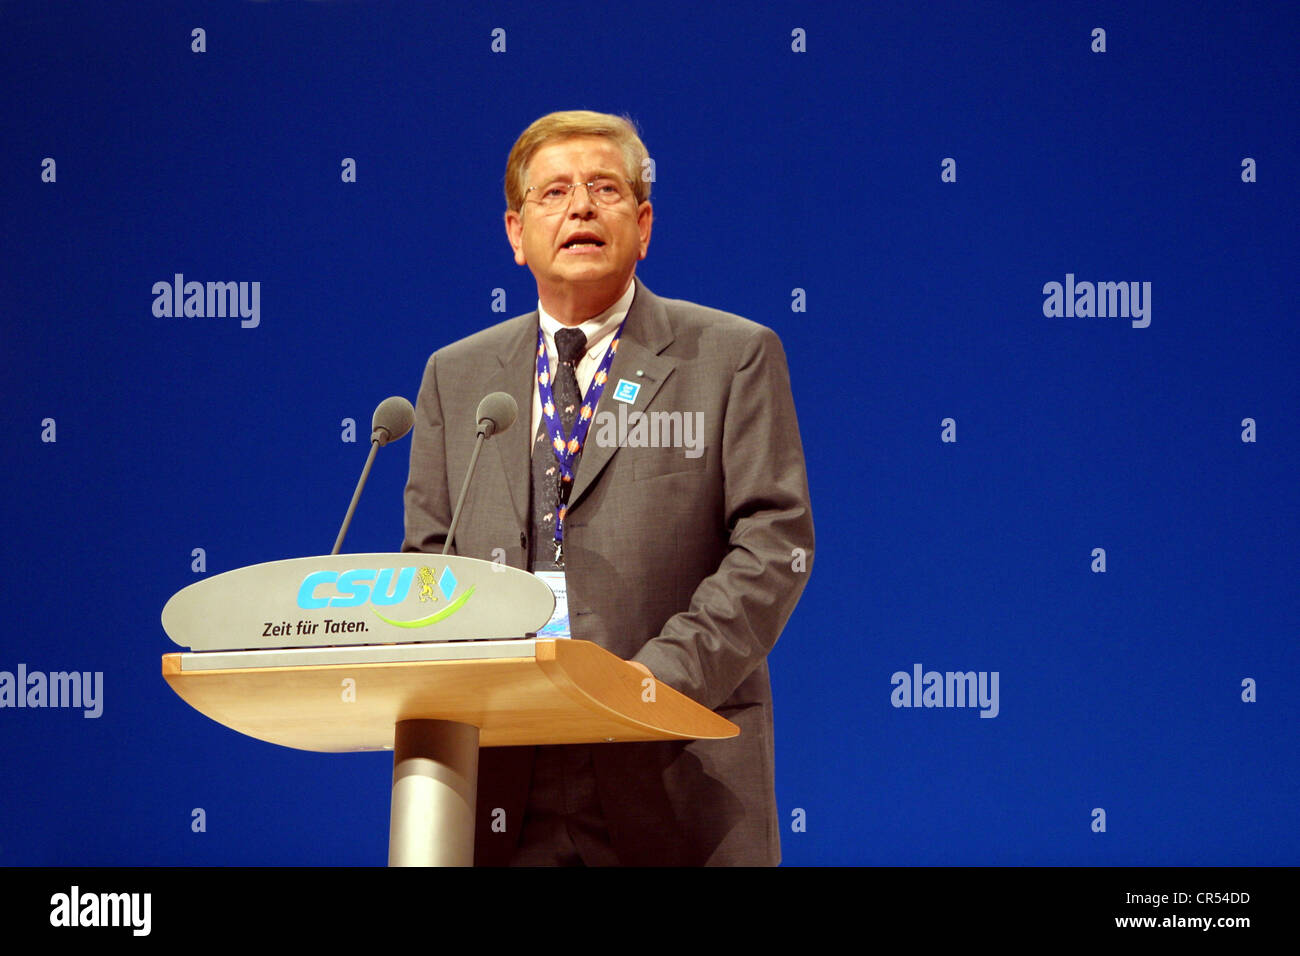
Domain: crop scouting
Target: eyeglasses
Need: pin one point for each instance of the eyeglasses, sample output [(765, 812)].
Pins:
[(603, 192)]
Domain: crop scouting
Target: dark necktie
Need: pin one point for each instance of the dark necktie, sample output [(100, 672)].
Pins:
[(548, 490)]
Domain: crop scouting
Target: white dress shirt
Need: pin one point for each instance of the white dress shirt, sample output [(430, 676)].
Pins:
[(598, 329)]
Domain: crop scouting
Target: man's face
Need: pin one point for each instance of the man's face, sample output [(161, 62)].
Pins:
[(579, 276)]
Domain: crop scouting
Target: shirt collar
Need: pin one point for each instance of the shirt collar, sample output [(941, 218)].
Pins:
[(598, 326)]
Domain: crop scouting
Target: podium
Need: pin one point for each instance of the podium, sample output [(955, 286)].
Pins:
[(467, 681)]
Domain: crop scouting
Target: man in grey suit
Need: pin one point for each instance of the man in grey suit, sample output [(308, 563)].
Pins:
[(677, 518)]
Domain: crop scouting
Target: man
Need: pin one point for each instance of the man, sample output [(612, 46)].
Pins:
[(686, 561)]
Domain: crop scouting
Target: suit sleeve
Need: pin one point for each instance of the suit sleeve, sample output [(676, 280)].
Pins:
[(427, 499), (737, 613)]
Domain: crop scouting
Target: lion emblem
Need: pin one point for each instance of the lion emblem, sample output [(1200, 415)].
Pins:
[(427, 582)]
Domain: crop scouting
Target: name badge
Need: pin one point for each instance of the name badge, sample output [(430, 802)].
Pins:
[(558, 625)]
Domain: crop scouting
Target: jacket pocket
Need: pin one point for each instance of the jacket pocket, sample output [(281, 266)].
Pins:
[(654, 463)]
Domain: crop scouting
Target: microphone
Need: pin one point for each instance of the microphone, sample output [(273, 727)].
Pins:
[(495, 414), (391, 421)]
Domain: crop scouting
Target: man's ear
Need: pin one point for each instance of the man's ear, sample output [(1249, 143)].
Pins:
[(645, 216), (515, 233)]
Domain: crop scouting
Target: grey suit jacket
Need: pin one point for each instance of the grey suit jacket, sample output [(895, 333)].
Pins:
[(690, 565)]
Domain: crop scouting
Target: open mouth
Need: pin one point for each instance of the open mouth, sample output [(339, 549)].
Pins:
[(583, 242)]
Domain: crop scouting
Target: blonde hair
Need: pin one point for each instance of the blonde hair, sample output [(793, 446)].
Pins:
[(554, 127)]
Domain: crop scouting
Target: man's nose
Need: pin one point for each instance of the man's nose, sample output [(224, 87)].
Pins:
[(580, 203)]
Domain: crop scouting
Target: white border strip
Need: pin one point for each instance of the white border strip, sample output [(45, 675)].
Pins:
[(357, 654)]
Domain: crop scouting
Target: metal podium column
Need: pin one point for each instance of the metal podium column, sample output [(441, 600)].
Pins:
[(435, 784)]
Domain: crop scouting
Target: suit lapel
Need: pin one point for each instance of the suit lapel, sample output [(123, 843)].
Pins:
[(515, 377), (645, 335)]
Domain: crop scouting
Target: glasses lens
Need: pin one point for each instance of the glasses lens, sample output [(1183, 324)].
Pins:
[(553, 195), (608, 192)]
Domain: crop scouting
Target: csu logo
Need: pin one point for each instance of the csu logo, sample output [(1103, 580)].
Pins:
[(352, 588), (385, 587)]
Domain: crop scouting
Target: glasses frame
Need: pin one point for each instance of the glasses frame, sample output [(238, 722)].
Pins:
[(569, 198)]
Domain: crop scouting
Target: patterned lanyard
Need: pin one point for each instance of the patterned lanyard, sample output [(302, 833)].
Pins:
[(567, 449)]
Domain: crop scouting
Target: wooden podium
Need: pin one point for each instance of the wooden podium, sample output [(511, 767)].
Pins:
[(433, 703)]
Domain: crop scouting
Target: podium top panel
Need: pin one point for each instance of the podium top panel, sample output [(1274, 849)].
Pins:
[(516, 692), (349, 599)]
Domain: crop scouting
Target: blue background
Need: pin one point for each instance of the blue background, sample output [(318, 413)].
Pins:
[(775, 170)]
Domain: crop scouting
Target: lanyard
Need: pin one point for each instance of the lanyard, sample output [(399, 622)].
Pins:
[(568, 448)]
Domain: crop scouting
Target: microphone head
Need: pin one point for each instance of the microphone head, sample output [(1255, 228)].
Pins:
[(496, 413), (393, 419)]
